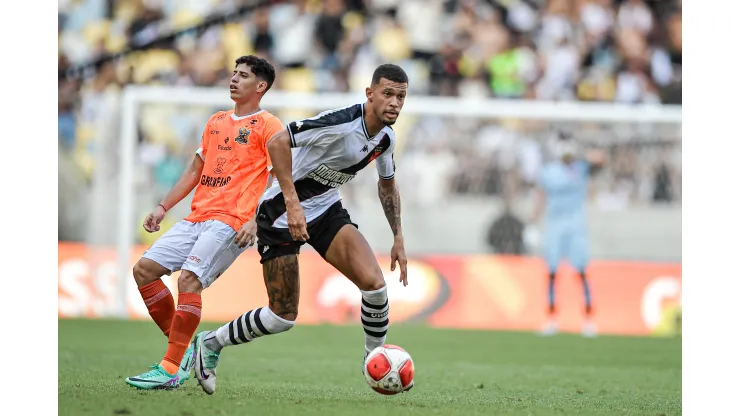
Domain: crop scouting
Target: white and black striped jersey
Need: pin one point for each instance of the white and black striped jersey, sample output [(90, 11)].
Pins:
[(328, 151)]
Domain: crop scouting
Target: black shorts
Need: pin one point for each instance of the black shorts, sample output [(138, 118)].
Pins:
[(276, 242)]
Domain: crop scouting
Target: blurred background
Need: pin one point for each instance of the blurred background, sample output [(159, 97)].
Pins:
[(458, 175)]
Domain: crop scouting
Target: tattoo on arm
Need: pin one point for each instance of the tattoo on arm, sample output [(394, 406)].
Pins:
[(391, 201), (283, 285)]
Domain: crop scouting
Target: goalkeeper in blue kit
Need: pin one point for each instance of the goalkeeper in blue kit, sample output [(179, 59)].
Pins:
[(562, 195)]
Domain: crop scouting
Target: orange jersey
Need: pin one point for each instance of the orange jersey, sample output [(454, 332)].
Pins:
[(236, 167)]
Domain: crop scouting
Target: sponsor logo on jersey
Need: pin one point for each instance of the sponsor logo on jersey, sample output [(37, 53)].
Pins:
[(212, 182), (226, 142), (220, 162), (330, 177)]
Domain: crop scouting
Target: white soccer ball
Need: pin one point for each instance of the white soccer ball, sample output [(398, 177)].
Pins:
[(389, 370)]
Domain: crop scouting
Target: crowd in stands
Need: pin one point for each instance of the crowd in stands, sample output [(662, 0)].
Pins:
[(626, 51)]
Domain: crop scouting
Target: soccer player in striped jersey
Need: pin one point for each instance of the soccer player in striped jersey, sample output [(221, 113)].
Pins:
[(311, 159)]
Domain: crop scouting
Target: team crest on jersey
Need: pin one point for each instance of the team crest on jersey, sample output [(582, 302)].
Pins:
[(243, 136)]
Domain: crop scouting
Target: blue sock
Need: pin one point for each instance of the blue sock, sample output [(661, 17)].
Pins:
[(551, 293), (586, 293)]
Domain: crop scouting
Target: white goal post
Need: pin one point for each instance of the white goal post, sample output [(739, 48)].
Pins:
[(134, 96)]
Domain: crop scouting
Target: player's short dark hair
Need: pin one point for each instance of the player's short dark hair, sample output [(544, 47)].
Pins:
[(260, 68), (390, 72)]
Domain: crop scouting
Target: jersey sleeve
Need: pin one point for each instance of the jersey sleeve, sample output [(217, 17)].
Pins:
[(385, 164), (205, 138), (272, 127)]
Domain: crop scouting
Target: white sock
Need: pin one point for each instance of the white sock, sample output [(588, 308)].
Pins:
[(248, 327), (374, 317)]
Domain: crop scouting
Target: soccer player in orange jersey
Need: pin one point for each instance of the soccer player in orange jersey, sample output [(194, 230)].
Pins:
[(230, 170)]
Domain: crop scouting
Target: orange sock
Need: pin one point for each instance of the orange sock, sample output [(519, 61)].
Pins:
[(183, 328), (160, 303)]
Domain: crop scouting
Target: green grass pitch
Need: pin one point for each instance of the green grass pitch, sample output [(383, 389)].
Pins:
[(315, 370)]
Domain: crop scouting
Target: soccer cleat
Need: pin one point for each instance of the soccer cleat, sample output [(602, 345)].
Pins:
[(187, 364), (206, 361), (589, 329), (363, 363), (156, 378), (550, 329)]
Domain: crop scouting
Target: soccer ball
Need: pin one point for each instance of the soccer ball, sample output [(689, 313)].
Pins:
[(389, 370)]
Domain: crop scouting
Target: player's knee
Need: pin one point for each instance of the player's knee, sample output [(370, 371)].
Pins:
[(372, 280), (143, 275), (188, 282)]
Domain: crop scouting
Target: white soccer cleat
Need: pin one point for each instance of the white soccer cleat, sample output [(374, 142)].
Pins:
[(550, 329), (589, 329), (206, 361)]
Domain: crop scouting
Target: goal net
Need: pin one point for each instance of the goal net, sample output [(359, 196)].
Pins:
[(460, 166)]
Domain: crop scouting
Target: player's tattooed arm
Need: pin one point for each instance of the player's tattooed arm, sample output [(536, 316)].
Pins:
[(391, 201)]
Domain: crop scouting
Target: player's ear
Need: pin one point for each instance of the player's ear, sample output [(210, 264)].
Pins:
[(369, 94), (262, 86)]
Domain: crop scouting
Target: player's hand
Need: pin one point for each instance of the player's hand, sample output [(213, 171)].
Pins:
[(398, 254), (151, 223), (297, 222), (247, 234)]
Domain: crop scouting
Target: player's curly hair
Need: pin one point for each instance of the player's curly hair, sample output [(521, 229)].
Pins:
[(390, 72), (260, 68)]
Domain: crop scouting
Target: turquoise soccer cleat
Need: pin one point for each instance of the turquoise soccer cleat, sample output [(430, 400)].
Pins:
[(156, 378), (187, 364)]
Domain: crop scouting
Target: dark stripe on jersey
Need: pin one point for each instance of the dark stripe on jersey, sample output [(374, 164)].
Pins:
[(290, 133), (382, 146), (333, 118), (308, 188)]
